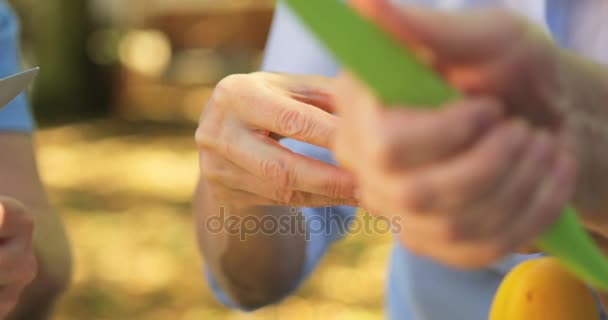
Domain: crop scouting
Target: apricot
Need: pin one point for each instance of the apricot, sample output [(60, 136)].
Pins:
[(541, 289)]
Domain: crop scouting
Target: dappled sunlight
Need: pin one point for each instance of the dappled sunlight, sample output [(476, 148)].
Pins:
[(124, 191)]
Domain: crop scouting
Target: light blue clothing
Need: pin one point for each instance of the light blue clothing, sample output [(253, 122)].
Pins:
[(16, 115), (418, 288)]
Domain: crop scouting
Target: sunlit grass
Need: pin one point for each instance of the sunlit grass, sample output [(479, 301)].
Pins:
[(124, 191)]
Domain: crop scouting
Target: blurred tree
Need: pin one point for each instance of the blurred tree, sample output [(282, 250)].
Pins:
[(70, 85)]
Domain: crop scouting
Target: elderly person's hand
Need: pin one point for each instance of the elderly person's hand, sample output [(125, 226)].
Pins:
[(485, 175), (17, 260), (243, 165)]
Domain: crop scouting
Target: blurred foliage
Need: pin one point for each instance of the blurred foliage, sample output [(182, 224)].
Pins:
[(124, 190)]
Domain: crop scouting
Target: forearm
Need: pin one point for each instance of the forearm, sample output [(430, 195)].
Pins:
[(254, 267), (586, 86), (19, 179)]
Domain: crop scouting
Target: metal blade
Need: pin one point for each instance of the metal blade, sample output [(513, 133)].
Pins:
[(12, 86)]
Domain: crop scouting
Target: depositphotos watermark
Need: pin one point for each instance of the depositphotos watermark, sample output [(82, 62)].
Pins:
[(328, 222)]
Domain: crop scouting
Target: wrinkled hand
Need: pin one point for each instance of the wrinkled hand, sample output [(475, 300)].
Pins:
[(482, 177), (242, 162), (18, 265)]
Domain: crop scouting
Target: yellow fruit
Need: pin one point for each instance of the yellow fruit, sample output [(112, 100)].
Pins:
[(541, 289)]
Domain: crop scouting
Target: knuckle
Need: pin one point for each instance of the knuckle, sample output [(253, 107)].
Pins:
[(222, 98), (216, 138), (292, 123), (211, 124), (211, 132), (227, 86), (277, 172)]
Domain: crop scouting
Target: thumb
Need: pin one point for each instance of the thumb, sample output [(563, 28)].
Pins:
[(445, 37)]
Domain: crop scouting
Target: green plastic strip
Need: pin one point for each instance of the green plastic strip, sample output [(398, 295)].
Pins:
[(398, 78)]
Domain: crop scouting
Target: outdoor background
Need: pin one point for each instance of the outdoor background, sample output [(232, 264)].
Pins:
[(122, 85)]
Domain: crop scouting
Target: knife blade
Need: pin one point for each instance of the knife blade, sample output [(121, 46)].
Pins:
[(12, 86)]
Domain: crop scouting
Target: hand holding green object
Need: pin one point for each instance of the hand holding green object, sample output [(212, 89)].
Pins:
[(386, 67)]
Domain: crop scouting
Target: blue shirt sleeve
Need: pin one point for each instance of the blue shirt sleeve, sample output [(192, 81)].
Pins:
[(16, 115)]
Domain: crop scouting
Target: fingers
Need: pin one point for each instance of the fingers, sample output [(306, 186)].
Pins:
[(238, 153), (358, 121), (440, 35), (253, 102), (308, 89), (548, 202), (472, 210), (254, 190), (288, 170), (404, 138), (277, 166), (293, 119), (470, 174), (415, 138), (517, 191), (296, 198)]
